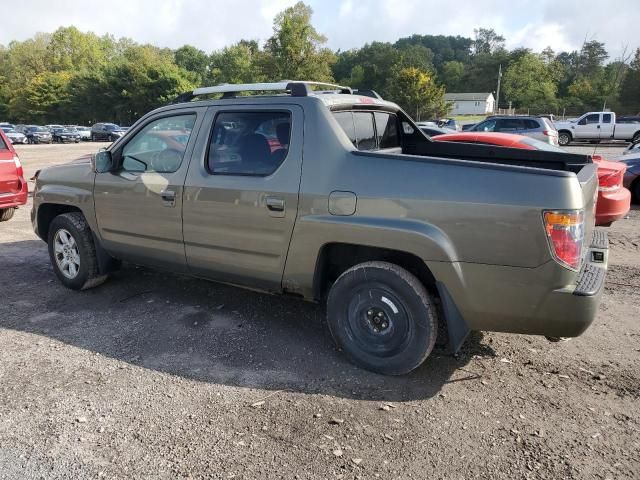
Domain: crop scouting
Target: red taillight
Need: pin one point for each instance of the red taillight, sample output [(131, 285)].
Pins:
[(565, 232), (19, 169), (610, 180), (550, 133)]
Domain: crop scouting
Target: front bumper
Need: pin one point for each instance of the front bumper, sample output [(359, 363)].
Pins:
[(549, 300)]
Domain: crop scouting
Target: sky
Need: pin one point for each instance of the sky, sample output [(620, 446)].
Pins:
[(213, 24)]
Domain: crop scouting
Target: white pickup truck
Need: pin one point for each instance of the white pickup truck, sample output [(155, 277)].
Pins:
[(597, 127)]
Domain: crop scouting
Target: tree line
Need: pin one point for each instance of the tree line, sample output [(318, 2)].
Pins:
[(70, 76)]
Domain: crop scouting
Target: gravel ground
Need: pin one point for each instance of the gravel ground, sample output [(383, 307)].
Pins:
[(160, 376)]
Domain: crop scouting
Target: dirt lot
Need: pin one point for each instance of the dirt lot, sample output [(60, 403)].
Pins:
[(160, 376)]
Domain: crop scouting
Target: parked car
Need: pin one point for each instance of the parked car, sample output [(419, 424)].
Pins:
[(36, 134), (632, 175), (534, 127), (449, 123), (613, 198), (467, 127), (597, 127), (7, 125), (628, 119), (14, 136), (106, 131), (13, 186), (65, 135), (85, 132), (53, 127), (397, 232), (434, 131)]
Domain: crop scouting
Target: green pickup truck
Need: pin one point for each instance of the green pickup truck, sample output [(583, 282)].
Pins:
[(310, 190)]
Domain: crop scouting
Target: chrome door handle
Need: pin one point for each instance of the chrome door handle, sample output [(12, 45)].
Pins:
[(168, 198), (275, 204)]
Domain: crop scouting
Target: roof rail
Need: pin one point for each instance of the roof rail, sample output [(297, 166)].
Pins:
[(293, 87)]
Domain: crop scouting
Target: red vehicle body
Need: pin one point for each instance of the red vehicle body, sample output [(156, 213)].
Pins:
[(614, 200), (13, 187)]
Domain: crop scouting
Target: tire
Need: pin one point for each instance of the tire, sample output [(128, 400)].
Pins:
[(80, 251), (635, 191), (564, 138), (382, 317), (6, 214), (93, 137)]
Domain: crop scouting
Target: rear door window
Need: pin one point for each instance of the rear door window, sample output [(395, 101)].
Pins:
[(249, 143), (509, 125), (387, 130), (606, 118), (365, 133), (530, 124)]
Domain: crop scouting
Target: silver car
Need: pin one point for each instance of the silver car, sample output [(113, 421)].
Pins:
[(13, 135), (535, 127)]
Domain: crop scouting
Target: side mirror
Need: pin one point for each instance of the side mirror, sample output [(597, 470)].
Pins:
[(102, 161)]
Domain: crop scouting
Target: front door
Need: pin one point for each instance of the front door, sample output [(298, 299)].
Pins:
[(241, 198), (588, 127), (139, 205)]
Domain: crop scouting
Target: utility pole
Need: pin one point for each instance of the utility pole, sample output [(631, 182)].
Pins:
[(498, 89)]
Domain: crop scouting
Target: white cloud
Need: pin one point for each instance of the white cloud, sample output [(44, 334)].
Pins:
[(212, 24)]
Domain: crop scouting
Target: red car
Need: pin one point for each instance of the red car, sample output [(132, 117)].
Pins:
[(13, 187), (614, 200)]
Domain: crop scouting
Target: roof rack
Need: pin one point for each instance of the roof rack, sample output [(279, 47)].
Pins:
[(292, 87)]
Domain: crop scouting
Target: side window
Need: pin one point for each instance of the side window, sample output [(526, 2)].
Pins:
[(345, 119), (508, 125), (606, 118), (590, 119), (531, 124), (364, 130), (249, 143), (387, 130), (486, 126), (159, 146)]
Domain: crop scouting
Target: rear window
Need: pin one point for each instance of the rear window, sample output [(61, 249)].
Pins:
[(387, 130), (368, 130)]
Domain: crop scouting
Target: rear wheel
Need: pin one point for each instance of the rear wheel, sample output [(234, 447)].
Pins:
[(73, 253), (564, 138), (635, 191), (6, 214), (382, 317)]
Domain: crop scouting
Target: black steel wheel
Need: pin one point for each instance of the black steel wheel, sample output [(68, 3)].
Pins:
[(382, 317)]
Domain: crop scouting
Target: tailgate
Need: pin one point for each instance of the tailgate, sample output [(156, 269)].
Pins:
[(588, 178), (9, 182)]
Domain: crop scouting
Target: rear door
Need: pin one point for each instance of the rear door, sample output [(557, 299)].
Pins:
[(606, 126), (241, 194)]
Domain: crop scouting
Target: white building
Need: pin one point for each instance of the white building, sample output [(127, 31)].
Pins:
[(470, 103)]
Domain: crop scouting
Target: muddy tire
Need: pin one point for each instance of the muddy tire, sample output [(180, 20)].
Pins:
[(73, 253), (382, 317)]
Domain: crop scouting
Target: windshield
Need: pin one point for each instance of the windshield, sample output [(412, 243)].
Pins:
[(37, 129), (8, 130)]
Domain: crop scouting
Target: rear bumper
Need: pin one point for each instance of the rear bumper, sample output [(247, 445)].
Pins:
[(15, 199), (612, 206), (548, 300)]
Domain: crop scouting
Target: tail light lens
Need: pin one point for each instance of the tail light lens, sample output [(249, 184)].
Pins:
[(550, 133), (19, 169), (565, 232), (611, 180)]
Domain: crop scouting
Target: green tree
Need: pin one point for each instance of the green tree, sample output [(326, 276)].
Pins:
[(239, 63), (193, 60), (452, 75), (295, 50), (44, 98), (70, 49), (528, 83), (487, 42), (417, 93), (630, 89)]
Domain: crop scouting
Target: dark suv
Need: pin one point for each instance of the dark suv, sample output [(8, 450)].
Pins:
[(106, 131)]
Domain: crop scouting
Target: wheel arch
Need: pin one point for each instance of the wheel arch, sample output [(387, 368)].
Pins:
[(47, 212)]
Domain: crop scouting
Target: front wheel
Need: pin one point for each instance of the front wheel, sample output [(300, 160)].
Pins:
[(382, 317), (6, 214), (564, 138), (73, 253)]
